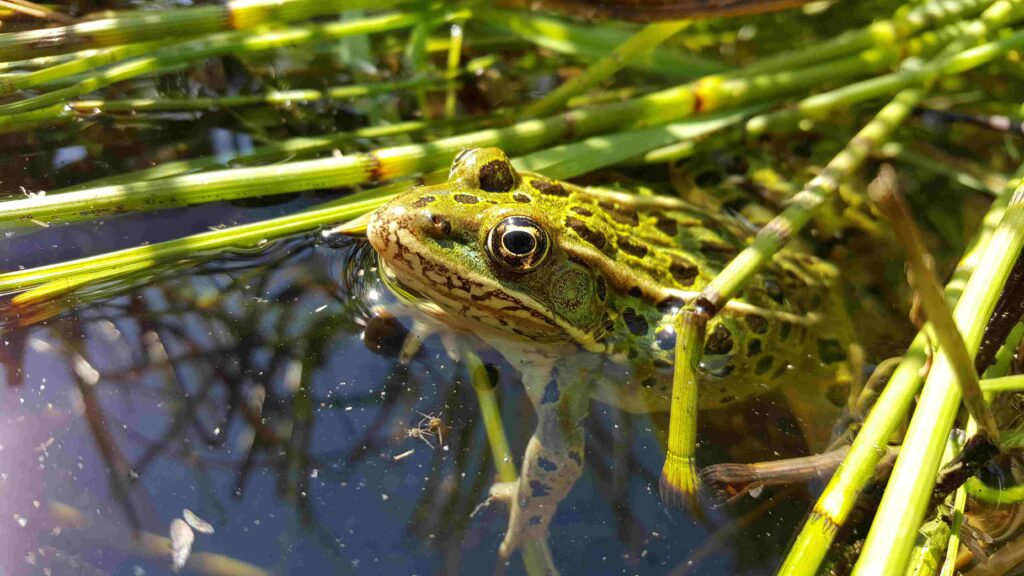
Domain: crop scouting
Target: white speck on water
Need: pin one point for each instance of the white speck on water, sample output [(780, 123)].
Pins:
[(321, 308), (21, 520)]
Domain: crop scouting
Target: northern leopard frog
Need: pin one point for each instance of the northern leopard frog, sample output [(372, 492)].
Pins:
[(577, 289)]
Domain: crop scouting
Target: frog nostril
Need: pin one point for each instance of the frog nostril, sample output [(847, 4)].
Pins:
[(437, 226)]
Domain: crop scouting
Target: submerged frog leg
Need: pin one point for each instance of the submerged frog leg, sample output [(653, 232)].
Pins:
[(553, 459)]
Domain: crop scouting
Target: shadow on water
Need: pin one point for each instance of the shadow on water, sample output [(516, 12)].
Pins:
[(242, 390)]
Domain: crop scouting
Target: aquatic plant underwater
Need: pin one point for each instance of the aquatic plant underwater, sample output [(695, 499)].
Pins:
[(172, 182)]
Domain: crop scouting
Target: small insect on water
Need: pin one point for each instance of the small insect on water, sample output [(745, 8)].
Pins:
[(428, 427), (432, 424)]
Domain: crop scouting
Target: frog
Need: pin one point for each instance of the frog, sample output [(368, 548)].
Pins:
[(578, 287)]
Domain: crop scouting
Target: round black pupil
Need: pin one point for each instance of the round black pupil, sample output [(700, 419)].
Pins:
[(519, 242)]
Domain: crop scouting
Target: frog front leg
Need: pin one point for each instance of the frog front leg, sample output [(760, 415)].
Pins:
[(553, 459)]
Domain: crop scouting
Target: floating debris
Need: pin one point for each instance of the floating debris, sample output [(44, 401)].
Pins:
[(403, 455), (181, 543), (197, 523)]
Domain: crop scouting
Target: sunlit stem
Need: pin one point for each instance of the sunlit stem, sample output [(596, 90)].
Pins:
[(141, 26), (679, 480), (837, 501), (884, 192), (907, 495), (637, 45)]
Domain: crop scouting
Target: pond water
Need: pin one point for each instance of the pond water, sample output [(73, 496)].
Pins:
[(241, 388), (244, 392)]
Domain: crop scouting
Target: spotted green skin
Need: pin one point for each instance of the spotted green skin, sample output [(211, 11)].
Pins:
[(618, 268)]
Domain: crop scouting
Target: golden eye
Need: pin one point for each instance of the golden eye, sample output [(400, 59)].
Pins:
[(517, 243)]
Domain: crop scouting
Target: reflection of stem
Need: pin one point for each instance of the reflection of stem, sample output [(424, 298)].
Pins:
[(117, 466), (536, 555), (146, 544)]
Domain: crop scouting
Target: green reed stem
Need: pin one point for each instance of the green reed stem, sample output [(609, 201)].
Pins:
[(783, 227), (908, 21), (636, 46), (215, 45), (679, 480), (595, 42), (272, 152), (10, 83), (142, 26), (883, 191), (453, 61), (707, 94), (907, 494), (839, 498)]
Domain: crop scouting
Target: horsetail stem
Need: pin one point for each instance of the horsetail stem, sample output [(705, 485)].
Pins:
[(679, 482), (883, 191), (175, 23), (215, 45), (838, 499), (10, 83), (637, 45), (907, 494)]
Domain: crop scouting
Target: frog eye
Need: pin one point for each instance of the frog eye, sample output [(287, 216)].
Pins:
[(518, 243)]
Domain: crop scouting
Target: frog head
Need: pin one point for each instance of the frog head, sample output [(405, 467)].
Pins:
[(483, 252)]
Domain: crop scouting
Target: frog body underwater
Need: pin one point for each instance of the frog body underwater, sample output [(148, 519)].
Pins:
[(578, 288)]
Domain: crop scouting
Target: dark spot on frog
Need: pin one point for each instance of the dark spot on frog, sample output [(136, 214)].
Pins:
[(575, 457), (722, 371), (830, 351), (632, 353), (601, 287), (718, 342), (521, 198), (815, 301), (666, 338), (774, 290), (583, 231), (684, 271), (632, 248), (546, 464), (551, 393), (726, 399), (620, 214), (764, 364), (582, 211), (549, 188), (753, 348), (757, 323), (670, 304), (782, 369), (636, 292), (649, 382), (636, 324), (668, 226), (709, 247), (423, 201), (465, 199), (535, 520), (496, 176), (539, 489), (785, 330)]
